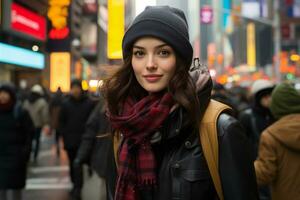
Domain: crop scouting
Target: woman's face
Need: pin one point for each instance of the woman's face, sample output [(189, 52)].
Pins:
[(154, 63)]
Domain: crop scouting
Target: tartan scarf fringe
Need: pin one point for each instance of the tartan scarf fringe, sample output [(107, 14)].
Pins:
[(138, 122), (146, 183)]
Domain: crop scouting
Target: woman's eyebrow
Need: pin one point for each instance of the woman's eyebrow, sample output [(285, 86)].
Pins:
[(158, 46), (138, 47)]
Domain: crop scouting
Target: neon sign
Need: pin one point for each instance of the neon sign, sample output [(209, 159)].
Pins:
[(28, 22), (58, 15), (20, 56)]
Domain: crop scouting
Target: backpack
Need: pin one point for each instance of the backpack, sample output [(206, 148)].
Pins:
[(208, 139)]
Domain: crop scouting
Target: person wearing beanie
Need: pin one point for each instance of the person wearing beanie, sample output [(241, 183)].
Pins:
[(285, 101), (38, 109), (258, 117), (73, 115), (278, 161), (156, 101), (16, 131)]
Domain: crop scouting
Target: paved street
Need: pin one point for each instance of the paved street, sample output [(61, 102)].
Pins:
[(48, 179)]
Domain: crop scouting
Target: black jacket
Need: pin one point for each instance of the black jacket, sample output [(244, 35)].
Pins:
[(16, 131), (255, 120), (73, 116), (96, 148), (183, 172)]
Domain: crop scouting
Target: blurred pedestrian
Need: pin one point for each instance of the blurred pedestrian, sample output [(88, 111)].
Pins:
[(156, 103), (278, 161), (96, 148), (221, 94), (16, 131), (38, 109), (258, 117), (54, 110), (240, 98), (74, 113)]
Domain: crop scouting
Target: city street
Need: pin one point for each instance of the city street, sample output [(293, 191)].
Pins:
[(156, 99), (48, 179)]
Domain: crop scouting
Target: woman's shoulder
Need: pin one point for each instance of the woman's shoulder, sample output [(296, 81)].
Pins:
[(227, 124)]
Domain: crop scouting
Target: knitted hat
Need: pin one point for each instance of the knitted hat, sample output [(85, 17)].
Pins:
[(260, 85), (285, 100), (166, 23), (37, 89)]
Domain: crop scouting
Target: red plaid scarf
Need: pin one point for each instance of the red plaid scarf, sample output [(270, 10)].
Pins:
[(137, 123)]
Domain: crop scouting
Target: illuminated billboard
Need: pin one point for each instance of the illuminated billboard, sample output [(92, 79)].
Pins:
[(21, 21), (25, 21), (115, 32), (60, 65), (20, 56)]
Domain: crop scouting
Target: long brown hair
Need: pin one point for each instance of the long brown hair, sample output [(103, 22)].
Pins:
[(123, 84)]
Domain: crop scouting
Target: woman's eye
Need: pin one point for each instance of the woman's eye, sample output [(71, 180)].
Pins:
[(138, 53), (164, 53)]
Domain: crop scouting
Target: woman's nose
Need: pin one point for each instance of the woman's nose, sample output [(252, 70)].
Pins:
[(151, 64)]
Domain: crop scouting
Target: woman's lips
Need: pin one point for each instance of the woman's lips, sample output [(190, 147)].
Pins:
[(152, 78)]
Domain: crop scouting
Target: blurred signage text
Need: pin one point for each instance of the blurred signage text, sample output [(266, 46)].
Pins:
[(23, 22), (206, 14)]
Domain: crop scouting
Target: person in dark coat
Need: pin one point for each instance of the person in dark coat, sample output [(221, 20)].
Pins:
[(257, 118), (156, 102), (54, 110), (278, 160), (96, 148), (74, 113), (221, 94), (16, 132)]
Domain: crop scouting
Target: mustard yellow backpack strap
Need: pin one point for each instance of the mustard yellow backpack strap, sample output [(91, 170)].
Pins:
[(116, 143), (209, 141)]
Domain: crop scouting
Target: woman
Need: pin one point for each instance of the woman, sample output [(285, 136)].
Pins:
[(16, 130), (157, 105)]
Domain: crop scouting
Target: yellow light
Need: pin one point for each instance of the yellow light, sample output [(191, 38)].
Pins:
[(251, 48), (85, 85), (59, 2), (58, 12), (115, 28), (60, 63), (236, 77), (295, 57)]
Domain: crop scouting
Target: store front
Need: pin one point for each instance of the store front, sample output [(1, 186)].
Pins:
[(22, 55), (19, 64)]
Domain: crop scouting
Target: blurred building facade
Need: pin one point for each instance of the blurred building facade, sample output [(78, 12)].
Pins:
[(239, 40), (23, 37)]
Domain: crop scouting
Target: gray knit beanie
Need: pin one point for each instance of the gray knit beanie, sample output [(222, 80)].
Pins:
[(166, 23)]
